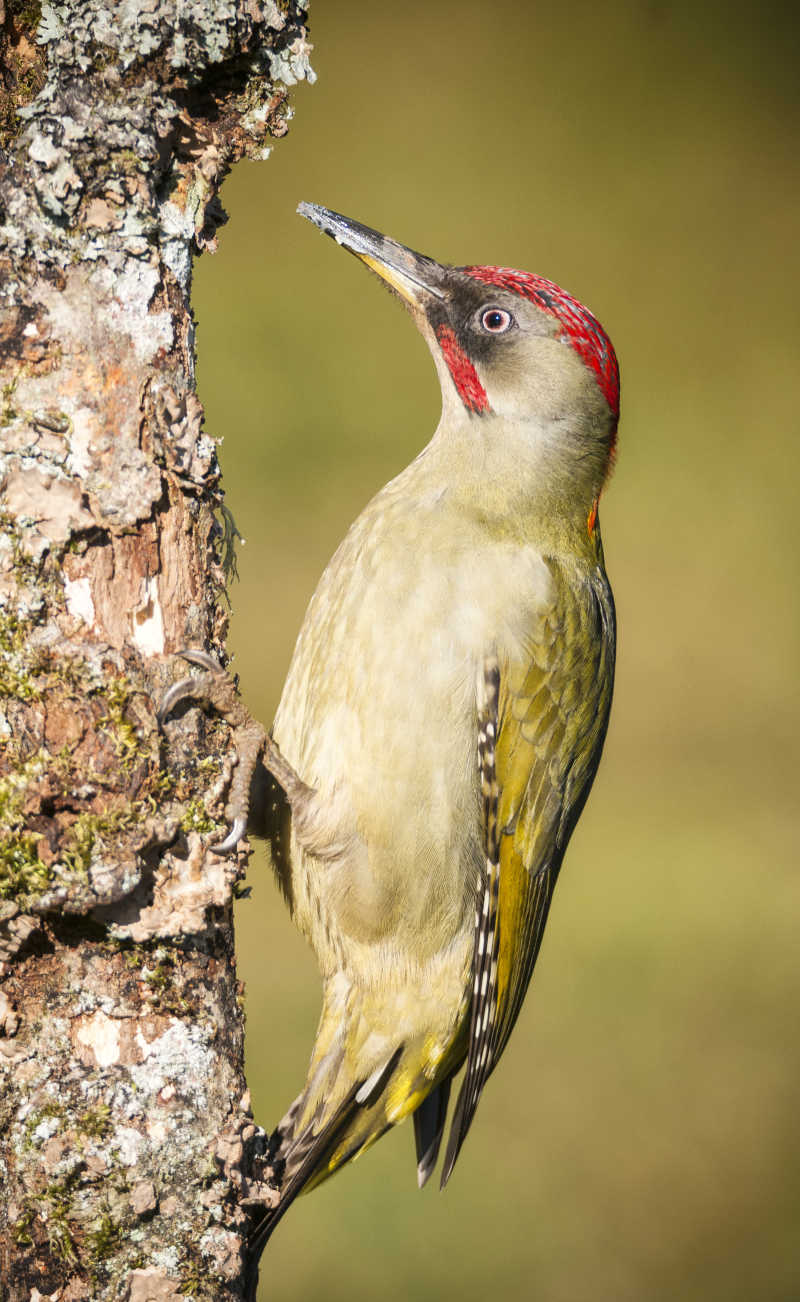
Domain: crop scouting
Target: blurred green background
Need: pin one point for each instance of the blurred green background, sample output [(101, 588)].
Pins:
[(640, 1139)]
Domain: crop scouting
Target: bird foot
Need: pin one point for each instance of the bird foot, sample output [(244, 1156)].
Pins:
[(253, 743)]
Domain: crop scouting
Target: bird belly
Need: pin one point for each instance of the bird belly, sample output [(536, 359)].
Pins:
[(379, 715), (400, 788)]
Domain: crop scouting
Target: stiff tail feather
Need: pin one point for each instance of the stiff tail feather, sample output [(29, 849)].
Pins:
[(429, 1120), (312, 1154)]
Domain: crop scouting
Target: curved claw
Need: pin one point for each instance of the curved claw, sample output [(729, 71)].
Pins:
[(187, 687), (215, 687), (174, 695), (232, 839), (201, 658)]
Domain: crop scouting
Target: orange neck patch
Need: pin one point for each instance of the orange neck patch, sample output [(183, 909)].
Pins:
[(591, 520)]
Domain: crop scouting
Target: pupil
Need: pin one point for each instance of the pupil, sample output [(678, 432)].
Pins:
[(494, 320)]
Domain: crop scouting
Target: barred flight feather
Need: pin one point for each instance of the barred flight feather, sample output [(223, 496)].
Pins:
[(484, 1007)]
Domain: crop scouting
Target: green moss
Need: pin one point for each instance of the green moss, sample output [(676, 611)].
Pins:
[(8, 411), (24, 64), (22, 872), (28, 13), (132, 956), (158, 972), (139, 958), (95, 1122), (159, 977), (47, 1112), (21, 1230), (43, 579), (196, 817), (103, 1239), (92, 830), (17, 667), (161, 786), (52, 1206), (57, 1200), (127, 742)]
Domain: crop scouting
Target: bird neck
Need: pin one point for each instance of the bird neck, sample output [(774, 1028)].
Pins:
[(519, 480)]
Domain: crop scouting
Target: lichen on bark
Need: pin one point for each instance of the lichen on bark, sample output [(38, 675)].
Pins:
[(127, 1149)]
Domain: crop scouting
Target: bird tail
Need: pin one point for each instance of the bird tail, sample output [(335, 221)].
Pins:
[(429, 1121), (321, 1145), (319, 1135), (342, 1112)]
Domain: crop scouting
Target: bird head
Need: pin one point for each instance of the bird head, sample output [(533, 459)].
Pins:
[(512, 350)]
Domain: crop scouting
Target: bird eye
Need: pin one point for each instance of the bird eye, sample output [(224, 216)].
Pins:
[(496, 320)]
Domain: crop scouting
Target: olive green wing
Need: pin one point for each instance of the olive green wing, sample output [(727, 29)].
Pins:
[(542, 722)]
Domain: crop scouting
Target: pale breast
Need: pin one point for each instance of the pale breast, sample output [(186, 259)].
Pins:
[(379, 709)]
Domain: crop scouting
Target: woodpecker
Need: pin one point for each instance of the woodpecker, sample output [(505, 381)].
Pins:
[(443, 715)]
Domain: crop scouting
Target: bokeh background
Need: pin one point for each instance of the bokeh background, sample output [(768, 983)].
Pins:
[(640, 1139)]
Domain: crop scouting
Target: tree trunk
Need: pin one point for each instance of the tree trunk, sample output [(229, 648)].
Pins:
[(127, 1148)]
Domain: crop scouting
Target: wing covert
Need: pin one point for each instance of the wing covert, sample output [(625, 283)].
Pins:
[(542, 722)]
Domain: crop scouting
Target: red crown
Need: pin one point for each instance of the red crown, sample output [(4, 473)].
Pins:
[(579, 326)]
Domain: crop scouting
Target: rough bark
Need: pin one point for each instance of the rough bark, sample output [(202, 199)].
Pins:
[(127, 1148)]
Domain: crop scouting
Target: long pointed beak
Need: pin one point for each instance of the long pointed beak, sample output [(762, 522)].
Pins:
[(411, 275)]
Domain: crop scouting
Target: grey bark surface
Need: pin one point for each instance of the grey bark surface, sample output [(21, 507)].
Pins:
[(129, 1161)]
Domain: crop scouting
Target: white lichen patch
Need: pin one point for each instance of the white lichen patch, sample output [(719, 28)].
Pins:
[(179, 226), (292, 64), (179, 1057), (128, 1145), (224, 1249), (51, 25), (42, 150), (129, 292), (123, 1100), (45, 1129)]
